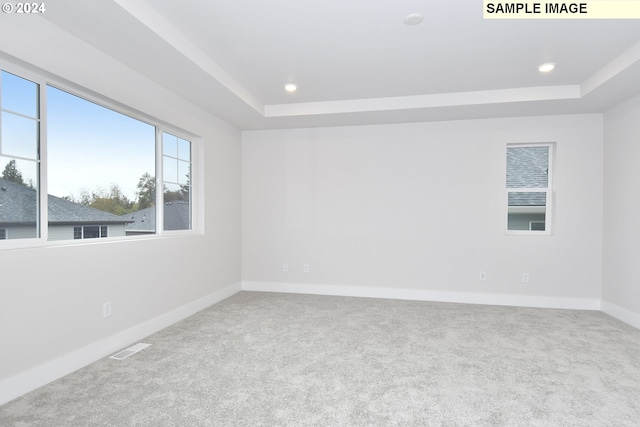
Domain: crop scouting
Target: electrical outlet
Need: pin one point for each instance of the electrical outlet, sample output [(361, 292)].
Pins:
[(106, 309), (305, 268), (525, 277), (285, 267), (483, 275)]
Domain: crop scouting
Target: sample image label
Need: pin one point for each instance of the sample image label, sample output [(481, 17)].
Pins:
[(587, 9)]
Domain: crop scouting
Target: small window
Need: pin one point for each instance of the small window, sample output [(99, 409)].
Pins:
[(3, 234), (90, 232), (529, 188)]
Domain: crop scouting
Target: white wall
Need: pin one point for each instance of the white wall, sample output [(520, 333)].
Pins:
[(621, 269), (418, 210), (51, 297)]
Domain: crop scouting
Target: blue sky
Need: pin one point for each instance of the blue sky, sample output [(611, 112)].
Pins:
[(91, 147)]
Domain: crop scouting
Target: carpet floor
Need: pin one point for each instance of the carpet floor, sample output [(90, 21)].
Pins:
[(268, 359)]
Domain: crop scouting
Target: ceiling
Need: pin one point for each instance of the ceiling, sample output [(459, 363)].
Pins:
[(357, 62)]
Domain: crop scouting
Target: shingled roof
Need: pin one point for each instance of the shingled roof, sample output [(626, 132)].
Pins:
[(18, 205), (176, 217), (527, 167)]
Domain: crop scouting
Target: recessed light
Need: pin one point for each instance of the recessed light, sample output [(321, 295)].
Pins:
[(413, 19), (290, 87), (546, 67)]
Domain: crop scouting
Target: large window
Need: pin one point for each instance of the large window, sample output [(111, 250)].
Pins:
[(100, 167), (529, 189)]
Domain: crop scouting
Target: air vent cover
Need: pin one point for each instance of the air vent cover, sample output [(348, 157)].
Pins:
[(130, 351)]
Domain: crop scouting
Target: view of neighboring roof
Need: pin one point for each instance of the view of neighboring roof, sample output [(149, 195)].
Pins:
[(176, 217), (18, 205), (142, 221), (527, 167)]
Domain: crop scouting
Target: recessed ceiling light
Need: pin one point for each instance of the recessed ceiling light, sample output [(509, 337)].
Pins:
[(546, 67), (413, 19), (290, 87)]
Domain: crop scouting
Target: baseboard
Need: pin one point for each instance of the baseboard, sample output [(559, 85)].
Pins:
[(38, 376), (425, 295), (622, 314)]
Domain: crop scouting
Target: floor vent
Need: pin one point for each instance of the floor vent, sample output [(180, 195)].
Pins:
[(130, 351)]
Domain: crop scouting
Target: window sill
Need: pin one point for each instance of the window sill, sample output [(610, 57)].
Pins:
[(20, 244)]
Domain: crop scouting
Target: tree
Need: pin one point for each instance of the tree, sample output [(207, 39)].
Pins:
[(115, 202), (182, 194), (146, 191), (11, 173), (185, 189), (112, 201)]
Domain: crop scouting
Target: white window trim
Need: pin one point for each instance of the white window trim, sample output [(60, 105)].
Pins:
[(44, 80), (549, 220)]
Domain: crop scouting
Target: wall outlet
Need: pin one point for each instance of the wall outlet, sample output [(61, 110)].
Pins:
[(525, 277), (285, 267), (305, 268), (106, 309), (483, 275)]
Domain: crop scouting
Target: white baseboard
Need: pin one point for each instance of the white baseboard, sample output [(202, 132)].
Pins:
[(627, 316), (38, 376), (425, 295)]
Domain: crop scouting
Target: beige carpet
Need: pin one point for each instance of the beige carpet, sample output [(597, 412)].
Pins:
[(260, 359)]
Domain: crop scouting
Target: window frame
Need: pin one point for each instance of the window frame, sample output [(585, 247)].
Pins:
[(160, 195), (43, 79), (548, 190)]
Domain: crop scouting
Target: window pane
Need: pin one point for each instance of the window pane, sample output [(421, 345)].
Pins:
[(170, 169), (183, 172), (537, 225), (18, 198), (19, 95), (184, 150), (19, 136), (528, 167), (177, 207), (527, 211), (169, 145), (91, 231), (101, 166)]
